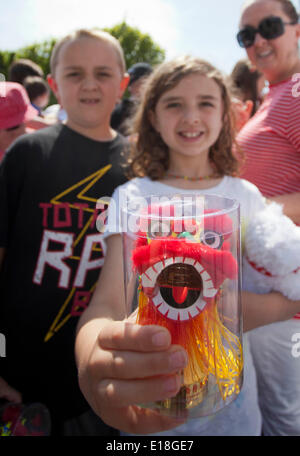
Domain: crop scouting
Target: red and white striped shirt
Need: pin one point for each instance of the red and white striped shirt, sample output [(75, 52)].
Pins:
[(271, 142)]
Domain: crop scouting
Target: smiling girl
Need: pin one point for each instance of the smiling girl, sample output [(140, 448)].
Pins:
[(185, 138)]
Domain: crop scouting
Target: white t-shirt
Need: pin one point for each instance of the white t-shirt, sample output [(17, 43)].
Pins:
[(242, 417)]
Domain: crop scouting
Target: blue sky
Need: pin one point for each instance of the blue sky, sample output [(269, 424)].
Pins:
[(205, 28)]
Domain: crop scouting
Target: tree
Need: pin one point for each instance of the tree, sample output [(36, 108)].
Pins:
[(39, 53), (137, 46)]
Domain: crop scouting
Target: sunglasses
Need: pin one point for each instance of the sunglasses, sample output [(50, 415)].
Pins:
[(269, 28)]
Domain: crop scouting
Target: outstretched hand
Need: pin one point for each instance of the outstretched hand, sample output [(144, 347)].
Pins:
[(129, 365)]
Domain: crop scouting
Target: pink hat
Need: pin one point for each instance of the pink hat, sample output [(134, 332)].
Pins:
[(15, 106)]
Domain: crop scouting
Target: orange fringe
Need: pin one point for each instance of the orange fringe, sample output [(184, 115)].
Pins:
[(211, 347)]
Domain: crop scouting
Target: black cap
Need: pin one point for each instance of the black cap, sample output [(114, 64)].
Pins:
[(138, 70)]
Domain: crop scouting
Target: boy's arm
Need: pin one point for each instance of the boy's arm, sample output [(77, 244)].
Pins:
[(121, 364)]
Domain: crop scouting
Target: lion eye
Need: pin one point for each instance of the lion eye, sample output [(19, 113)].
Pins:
[(159, 229), (211, 239)]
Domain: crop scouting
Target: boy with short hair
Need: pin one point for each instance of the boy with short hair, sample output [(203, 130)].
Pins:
[(51, 250)]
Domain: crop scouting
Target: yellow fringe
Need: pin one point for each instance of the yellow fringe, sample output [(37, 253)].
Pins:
[(212, 348)]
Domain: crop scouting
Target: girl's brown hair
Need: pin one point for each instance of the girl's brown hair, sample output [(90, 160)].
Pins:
[(149, 154)]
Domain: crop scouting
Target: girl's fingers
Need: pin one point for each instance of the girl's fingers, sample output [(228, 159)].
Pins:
[(133, 337), (122, 393), (135, 365), (136, 420)]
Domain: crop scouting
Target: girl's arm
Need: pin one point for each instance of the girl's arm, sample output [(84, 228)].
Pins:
[(263, 309), (120, 363)]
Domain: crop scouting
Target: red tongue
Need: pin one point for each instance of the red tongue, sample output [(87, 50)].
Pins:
[(179, 294)]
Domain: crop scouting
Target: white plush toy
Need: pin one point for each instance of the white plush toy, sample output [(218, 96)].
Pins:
[(272, 254)]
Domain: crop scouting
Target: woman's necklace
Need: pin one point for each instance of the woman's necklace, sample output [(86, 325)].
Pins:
[(193, 179)]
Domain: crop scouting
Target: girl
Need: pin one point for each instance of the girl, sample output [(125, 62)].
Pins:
[(269, 31), (185, 137)]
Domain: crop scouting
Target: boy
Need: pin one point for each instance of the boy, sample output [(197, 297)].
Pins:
[(50, 248)]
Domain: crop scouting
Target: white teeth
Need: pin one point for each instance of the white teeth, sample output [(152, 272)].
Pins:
[(178, 314), (189, 261), (201, 304), (149, 277), (179, 260), (158, 267), (163, 308), (210, 291), (205, 276), (169, 261), (190, 135), (264, 54)]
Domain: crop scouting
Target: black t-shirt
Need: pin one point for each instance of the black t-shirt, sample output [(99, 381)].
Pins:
[(50, 182)]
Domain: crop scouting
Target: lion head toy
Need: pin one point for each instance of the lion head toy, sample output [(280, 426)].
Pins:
[(182, 271)]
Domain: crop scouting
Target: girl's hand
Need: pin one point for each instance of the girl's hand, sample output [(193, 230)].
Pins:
[(132, 364), (8, 393)]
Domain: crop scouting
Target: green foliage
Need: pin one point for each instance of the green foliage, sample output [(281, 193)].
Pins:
[(137, 46), (39, 53), (6, 59)]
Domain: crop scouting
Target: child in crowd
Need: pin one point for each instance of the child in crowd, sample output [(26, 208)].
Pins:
[(185, 138), (21, 68), (15, 111), (38, 92), (123, 113), (18, 71), (50, 251), (247, 87)]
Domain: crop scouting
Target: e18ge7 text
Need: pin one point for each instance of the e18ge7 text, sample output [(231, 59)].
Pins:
[(169, 445)]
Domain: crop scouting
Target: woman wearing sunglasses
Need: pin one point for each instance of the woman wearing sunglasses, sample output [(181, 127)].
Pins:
[(269, 31)]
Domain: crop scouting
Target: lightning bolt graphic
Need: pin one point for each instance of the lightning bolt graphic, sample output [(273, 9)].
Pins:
[(87, 183)]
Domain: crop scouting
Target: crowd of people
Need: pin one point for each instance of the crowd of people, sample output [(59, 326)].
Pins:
[(185, 128)]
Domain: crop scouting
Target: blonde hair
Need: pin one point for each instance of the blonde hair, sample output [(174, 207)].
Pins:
[(149, 155), (100, 35)]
